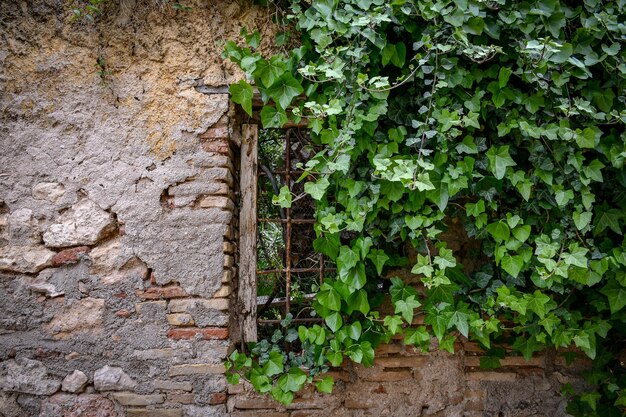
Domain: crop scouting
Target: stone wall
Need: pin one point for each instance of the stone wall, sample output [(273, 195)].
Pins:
[(118, 232), (116, 208)]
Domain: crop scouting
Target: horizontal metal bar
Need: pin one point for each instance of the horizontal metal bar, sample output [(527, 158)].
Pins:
[(294, 221), (278, 271), (307, 320)]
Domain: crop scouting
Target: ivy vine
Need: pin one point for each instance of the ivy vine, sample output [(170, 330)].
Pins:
[(506, 116)]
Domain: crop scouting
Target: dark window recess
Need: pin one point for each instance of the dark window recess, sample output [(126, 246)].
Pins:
[(289, 271)]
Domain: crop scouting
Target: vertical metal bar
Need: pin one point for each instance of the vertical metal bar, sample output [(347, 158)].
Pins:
[(288, 225)]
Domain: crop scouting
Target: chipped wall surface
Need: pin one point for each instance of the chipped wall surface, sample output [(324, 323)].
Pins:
[(118, 232), (116, 207)]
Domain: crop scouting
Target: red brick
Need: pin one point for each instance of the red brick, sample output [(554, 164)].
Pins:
[(211, 333), (216, 132), (69, 256), (121, 295), (218, 398), (216, 147), (156, 293)]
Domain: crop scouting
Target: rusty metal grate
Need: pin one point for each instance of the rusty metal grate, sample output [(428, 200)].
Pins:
[(295, 265)]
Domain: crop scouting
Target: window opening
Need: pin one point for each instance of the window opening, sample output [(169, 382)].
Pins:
[(288, 269)]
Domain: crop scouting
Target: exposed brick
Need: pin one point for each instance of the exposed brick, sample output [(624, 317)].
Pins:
[(218, 398), (196, 368), (235, 389), (216, 146), (154, 353), (228, 261), (258, 414), (162, 412), (242, 403), (387, 349), (223, 292), (180, 398), (186, 305), (228, 276), (180, 319), (309, 413), (129, 398), (69, 256), (211, 333), (388, 376), (219, 202), (229, 247), (474, 406), (357, 403), (491, 376), (512, 361), (216, 132), (156, 293), (402, 361), (172, 385)]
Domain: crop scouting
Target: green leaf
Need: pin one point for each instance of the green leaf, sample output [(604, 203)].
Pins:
[(407, 307), (354, 330), (419, 337), (526, 345), (334, 321), (269, 71), (499, 160), (285, 90), (273, 117), (283, 199), (283, 397), (512, 264), (393, 323), (499, 230), (292, 381), (379, 258), (274, 364), (503, 76), (582, 220), (616, 294), (588, 137), (325, 385), (317, 189), (358, 301), (347, 258), (242, 93), (330, 299), (459, 320), (438, 322), (606, 217)]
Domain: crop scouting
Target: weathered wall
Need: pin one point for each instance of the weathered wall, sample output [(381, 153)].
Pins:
[(116, 206), (118, 233)]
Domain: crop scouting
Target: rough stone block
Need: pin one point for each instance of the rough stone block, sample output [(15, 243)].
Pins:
[(186, 305), (130, 398), (74, 382), (50, 191), (180, 398), (402, 361), (223, 292), (216, 132), (110, 378), (84, 315), (388, 376), (160, 412), (491, 376), (171, 385), (27, 376), (180, 319), (151, 307), (221, 202), (148, 354), (156, 293), (25, 259), (83, 224), (195, 369)]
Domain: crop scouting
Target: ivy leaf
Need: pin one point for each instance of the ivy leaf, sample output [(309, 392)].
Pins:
[(347, 258), (419, 337), (334, 321), (439, 323), (407, 308), (358, 302), (379, 258), (616, 295), (325, 7), (499, 230), (292, 381), (526, 345), (269, 71), (285, 90), (330, 299), (606, 217), (459, 319), (242, 93), (274, 364), (325, 385), (582, 220), (393, 323), (588, 137), (283, 199), (512, 264), (283, 397), (499, 160), (273, 117), (317, 189), (537, 303)]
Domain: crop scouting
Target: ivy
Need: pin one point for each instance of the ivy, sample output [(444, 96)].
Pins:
[(504, 117)]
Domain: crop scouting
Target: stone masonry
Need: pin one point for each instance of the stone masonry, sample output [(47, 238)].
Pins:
[(118, 232)]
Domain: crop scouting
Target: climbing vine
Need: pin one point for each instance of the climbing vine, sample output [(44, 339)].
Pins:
[(505, 116)]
